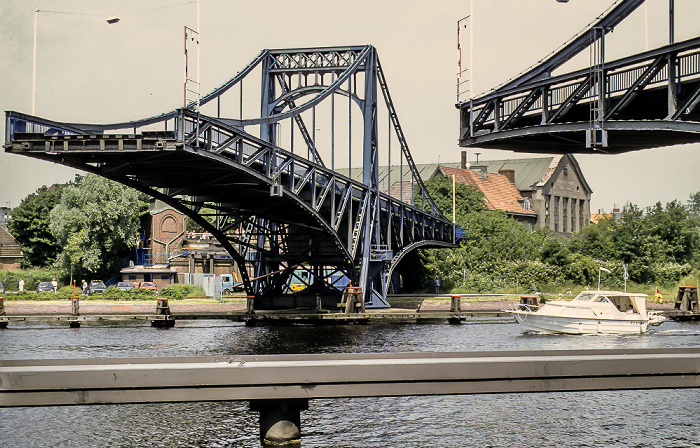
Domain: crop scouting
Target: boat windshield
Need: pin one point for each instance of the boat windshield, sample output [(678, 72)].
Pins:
[(585, 297)]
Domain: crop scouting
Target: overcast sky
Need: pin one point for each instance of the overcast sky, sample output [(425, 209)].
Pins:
[(90, 71)]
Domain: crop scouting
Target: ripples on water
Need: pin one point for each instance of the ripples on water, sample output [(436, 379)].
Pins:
[(661, 418)]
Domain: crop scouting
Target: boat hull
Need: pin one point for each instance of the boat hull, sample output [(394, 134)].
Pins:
[(532, 322)]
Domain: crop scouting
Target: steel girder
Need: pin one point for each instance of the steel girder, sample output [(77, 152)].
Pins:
[(651, 100), (276, 212)]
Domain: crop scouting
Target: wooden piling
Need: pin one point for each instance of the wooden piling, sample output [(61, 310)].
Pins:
[(75, 311), (2, 312)]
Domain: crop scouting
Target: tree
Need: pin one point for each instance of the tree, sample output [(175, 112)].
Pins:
[(693, 204), (468, 198), (96, 222), (30, 226)]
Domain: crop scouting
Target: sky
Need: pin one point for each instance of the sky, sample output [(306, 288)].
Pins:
[(92, 72)]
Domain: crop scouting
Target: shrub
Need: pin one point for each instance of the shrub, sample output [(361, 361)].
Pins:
[(31, 277), (113, 293), (180, 291)]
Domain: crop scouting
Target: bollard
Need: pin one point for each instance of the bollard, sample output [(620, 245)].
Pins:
[(250, 304), (75, 311), (75, 306), (455, 303), (2, 312), (352, 299), (526, 302), (163, 309), (280, 421), (455, 307)]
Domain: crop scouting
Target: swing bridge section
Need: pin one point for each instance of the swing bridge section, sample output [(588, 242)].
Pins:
[(641, 101), (281, 214)]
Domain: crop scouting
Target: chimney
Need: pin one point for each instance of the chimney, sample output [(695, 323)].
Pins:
[(510, 174), (480, 170), (463, 165)]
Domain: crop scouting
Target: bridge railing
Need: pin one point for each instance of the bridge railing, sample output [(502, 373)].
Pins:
[(620, 76), (297, 172)]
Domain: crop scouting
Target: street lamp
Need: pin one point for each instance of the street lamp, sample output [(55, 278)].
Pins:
[(110, 20)]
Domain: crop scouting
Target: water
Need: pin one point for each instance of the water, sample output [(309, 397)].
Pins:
[(657, 418)]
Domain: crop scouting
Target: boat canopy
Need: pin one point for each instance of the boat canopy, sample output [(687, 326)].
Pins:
[(621, 300)]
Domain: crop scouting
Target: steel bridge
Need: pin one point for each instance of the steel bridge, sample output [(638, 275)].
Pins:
[(277, 211), (642, 101)]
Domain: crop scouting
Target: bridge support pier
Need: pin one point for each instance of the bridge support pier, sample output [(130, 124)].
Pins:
[(280, 421)]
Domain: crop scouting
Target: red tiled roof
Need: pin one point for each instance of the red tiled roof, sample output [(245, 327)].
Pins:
[(499, 192)]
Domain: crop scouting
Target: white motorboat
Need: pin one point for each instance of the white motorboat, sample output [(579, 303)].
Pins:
[(589, 312)]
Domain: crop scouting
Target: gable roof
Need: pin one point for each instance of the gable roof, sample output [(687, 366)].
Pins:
[(529, 173), (499, 192), (9, 247)]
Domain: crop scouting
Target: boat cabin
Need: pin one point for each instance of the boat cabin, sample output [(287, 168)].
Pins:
[(624, 302)]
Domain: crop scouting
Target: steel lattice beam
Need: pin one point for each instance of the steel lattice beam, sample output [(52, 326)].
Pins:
[(553, 114)]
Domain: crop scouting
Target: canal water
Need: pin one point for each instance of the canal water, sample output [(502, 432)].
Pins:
[(654, 419)]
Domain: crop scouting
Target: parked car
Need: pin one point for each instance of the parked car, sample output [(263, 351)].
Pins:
[(44, 287), (125, 286), (97, 287), (147, 285)]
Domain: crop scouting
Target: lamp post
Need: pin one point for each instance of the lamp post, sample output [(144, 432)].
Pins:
[(601, 269), (111, 20)]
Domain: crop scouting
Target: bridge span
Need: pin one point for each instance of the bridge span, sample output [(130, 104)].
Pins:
[(277, 209), (641, 101)]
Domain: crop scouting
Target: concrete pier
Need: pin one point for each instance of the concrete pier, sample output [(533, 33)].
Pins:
[(280, 421)]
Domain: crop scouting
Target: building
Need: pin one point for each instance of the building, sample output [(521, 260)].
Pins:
[(500, 191), (168, 254), (597, 217), (5, 215), (10, 251), (553, 187)]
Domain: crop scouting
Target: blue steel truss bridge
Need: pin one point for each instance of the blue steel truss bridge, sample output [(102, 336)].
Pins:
[(641, 101), (269, 187)]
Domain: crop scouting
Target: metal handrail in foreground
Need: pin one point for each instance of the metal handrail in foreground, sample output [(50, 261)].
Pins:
[(279, 386)]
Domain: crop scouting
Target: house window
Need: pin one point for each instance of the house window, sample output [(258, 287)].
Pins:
[(556, 213), (580, 214), (573, 216), (565, 221), (547, 198)]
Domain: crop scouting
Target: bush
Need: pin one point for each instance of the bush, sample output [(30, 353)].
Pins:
[(113, 293), (179, 291), (31, 277), (31, 295)]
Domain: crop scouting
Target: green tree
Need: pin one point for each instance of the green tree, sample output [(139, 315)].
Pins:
[(657, 243), (693, 204), (96, 221), (467, 197), (30, 226)]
